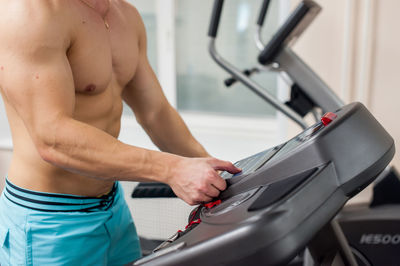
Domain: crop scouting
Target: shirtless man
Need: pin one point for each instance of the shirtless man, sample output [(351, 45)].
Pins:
[(65, 68)]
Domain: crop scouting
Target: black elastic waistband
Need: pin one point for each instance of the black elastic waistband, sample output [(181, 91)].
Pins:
[(53, 202)]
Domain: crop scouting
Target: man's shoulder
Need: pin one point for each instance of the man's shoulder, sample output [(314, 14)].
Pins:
[(34, 19), (128, 7), (130, 12), (32, 14), (38, 9)]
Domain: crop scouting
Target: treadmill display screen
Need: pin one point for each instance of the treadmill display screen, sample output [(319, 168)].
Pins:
[(252, 163), (299, 139)]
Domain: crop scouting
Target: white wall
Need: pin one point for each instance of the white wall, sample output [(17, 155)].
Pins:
[(385, 78), (354, 46)]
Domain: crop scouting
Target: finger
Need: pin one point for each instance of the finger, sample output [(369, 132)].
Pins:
[(219, 183), (212, 192), (225, 166)]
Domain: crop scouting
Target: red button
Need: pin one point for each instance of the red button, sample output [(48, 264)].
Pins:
[(328, 118)]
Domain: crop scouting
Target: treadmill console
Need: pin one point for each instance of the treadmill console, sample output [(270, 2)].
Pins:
[(284, 195), (254, 162)]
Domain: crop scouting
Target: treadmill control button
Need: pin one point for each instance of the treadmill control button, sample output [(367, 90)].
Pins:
[(328, 118)]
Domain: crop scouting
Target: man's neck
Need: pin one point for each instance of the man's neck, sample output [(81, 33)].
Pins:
[(101, 6)]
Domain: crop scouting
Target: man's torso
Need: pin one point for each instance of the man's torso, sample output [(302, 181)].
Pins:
[(102, 62)]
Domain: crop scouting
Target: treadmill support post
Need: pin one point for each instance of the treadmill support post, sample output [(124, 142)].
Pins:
[(330, 247), (301, 74)]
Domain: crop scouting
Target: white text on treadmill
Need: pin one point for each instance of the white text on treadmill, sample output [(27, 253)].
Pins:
[(380, 239)]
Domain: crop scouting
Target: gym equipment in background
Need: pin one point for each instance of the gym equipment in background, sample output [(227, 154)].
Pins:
[(372, 231)]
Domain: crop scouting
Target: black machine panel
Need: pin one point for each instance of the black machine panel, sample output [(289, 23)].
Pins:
[(279, 189), (284, 196), (373, 234)]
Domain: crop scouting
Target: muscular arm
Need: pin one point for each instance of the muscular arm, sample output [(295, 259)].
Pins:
[(38, 83), (152, 110), (36, 80)]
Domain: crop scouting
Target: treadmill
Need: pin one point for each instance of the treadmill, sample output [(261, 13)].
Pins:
[(285, 198), (372, 230)]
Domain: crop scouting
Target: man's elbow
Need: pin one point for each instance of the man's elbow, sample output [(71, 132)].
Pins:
[(49, 140), (47, 151)]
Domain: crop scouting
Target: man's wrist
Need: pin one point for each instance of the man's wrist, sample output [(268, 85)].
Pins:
[(169, 164)]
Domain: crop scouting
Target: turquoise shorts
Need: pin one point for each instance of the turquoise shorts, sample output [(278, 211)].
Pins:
[(39, 228)]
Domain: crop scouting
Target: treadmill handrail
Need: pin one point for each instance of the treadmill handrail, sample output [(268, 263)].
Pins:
[(260, 23), (263, 12), (215, 18), (289, 63), (256, 88), (235, 72), (300, 73), (288, 30)]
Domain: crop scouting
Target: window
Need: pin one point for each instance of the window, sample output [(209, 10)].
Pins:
[(193, 83), (200, 85), (198, 81)]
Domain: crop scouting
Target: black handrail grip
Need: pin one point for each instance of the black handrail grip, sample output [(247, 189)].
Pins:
[(215, 18), (263, 13), (275, 44)]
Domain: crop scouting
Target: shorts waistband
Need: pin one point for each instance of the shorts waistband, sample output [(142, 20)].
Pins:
[(54, 202)]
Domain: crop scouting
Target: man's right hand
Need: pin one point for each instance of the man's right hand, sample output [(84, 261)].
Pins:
[(196, 180)]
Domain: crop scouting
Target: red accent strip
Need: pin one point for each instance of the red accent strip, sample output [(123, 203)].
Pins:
[(212, 204), (192, 223), (194, 214)]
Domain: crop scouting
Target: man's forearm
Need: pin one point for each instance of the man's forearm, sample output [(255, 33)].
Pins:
[(170, 133), (86, 150)]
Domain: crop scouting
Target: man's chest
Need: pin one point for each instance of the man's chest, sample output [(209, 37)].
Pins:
[(100, 56)]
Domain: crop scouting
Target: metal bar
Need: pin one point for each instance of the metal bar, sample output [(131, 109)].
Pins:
[(344, 248), (263, 12), (252, 85), (330, 245), (215, 18), (258, 39), (308, 80)]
